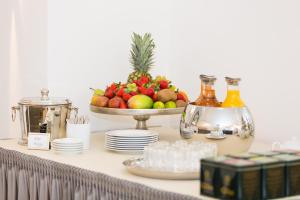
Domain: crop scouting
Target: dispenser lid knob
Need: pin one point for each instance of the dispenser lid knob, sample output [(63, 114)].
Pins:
[(45, 93)]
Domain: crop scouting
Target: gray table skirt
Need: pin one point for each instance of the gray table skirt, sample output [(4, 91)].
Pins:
[(28, 177)]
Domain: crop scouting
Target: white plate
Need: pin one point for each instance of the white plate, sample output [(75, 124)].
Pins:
[(123, 137), (66, 145), (118, 144), (55, 145), (131, 138), (128, 149), (63, 145), (108, 138), (64, 152), (63, 149), (127, 152), (67, 141), (131, 133), (70, 149), (129, 145), (74, 152), (60, 146), (69, 144), (67, 148), (132, 142), (122, 147), (126, 144)]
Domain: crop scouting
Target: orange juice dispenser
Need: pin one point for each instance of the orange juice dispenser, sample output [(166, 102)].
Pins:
[(208, 95), (233, 98)]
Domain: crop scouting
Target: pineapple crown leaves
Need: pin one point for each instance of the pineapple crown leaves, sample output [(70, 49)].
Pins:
[(142, 52)]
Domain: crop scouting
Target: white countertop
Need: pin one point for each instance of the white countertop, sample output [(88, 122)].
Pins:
[(100, 160)]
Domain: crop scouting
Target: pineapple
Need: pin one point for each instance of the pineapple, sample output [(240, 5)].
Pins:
[(141, 56)]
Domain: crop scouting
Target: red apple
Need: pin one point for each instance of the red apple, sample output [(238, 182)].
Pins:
[(115, 102)]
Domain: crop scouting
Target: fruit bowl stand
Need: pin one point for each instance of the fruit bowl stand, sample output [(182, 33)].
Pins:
[(140, 115)]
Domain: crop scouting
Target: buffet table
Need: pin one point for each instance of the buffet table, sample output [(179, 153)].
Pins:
[(97, 168)]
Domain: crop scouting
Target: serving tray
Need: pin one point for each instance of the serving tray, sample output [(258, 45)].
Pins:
[(134, 167)]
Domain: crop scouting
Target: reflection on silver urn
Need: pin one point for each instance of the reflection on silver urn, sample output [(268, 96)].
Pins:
[(231, 128)]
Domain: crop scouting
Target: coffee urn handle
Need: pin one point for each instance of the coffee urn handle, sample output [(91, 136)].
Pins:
[(14, 112)]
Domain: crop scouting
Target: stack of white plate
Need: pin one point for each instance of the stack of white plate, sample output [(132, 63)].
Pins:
[(129, 141), (67, 146)]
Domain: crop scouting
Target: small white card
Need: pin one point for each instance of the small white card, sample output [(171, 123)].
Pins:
[(38, 141)]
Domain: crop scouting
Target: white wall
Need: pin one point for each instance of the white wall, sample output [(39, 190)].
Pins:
[(89, 41), (23, 61)]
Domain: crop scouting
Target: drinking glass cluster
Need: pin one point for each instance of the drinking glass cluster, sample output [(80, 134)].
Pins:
[(177, 157)]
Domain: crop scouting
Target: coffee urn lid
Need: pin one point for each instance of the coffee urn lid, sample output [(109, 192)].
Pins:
[(44, 100)]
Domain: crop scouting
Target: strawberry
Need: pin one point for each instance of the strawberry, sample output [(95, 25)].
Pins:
[(163, 84), (114, 87), (144, 79), (123, 105), (154, 97), (136, 82), (139, 83), (180, 97), (126, 96), (133, 93), (120, 92), (150, 92), (142, 90), (109, 93)]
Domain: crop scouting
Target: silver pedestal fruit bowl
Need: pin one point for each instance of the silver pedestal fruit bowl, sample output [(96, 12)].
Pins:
[(140, 115), (232, 129)]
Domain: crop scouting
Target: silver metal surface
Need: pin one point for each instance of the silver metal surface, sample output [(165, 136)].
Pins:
[(236, 123), (50, 114), (140, 115), (44, 100), (133, 167)]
